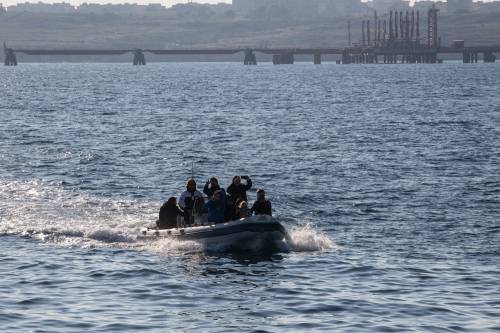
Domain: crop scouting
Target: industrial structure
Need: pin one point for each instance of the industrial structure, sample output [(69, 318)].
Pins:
[(394, 39), (398, 39)]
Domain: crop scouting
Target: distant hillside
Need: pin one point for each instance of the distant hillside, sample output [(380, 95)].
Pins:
[(162, 31)]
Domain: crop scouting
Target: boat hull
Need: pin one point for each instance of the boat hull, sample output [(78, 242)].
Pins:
[(254, 233)]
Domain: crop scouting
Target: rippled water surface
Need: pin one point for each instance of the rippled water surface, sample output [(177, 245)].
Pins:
[(387, 178)]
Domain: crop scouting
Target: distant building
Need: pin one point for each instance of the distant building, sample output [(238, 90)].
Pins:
[(459, 6), (65, 8), (424, 5), (201, 9), (487, 7), (119, 9), (299, 8), (40, 7), (384, 6)]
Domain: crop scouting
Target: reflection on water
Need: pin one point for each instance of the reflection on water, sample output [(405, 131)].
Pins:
[(388, 187)]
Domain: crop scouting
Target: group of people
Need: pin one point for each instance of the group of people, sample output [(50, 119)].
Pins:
[(221, 206)]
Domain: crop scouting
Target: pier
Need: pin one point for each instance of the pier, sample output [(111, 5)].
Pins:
[(395, 38)]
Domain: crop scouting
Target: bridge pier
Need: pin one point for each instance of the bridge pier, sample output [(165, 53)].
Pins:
[(346, 57), (250, 58), (139, 58), (469, 57), (466, 57), (285, 58), (10, 57), (430, 58), (489, 57), (317, 59)]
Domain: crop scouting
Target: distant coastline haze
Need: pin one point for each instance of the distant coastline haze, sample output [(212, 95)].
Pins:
[(166, 3)]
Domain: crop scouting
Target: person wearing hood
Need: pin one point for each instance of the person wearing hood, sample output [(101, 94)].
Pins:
[(230, 210), (243, 210), (216, 206), (211, 186), (187, 199), (168, 214), (262, 206), (237, 189)]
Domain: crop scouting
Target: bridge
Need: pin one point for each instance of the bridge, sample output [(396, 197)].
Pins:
[(396, 40), (408, 53), (280, 55)]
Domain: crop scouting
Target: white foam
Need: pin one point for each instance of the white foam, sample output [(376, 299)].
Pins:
[(54, 214), (305, 238), (50, 212), (170, 246)]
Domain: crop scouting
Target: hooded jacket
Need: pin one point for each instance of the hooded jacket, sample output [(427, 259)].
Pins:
[(216, 208), (239, 191), (262, 208), (190, 196), (168, 216)]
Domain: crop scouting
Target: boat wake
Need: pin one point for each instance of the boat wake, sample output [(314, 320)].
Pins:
[(305, 238), (51, 213)]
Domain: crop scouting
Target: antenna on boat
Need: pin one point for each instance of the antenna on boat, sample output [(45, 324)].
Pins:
[(192, 169)]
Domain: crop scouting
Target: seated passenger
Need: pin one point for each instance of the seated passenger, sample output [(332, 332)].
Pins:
[(216, 206), (237, 189), (168, 214), (237, 203), (230, 211), (187, 199), (199, 211), (243, 210), (261, 206), (211, 186)]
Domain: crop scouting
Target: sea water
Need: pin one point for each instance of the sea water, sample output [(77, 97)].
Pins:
[(386, 177)]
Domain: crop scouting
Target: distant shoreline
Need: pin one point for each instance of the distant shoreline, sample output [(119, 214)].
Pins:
[(48, 31)]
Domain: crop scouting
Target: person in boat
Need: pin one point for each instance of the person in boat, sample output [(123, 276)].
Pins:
[(262, 206), (237, 189), (188, 198), (230, 209), (216, 206), (243, 210), (199, 211), (211, 186), (168, 214)]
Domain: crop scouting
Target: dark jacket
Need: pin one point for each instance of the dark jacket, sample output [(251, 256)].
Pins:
[(262, 208), (230, 212), (216, 209), (239, 191), (209, 191), (168, 216)]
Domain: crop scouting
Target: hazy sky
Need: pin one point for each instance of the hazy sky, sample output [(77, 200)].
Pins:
[(76, 2), (167, 3)]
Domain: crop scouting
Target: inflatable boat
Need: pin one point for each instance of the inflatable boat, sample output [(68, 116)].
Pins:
[(253, 233)]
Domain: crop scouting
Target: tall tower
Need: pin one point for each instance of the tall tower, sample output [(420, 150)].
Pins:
[(349, 32), (363, 32), (396, 24), (391, 35), (417, 32), (384, 37), (368, 33), (432, 22), (412, 32)]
